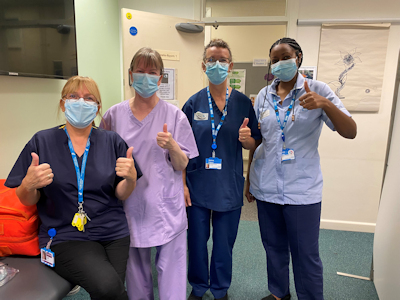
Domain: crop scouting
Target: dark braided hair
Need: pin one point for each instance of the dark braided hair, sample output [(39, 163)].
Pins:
[(292, 43)]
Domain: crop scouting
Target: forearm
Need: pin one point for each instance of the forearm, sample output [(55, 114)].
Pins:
[(125, 188), (251, 154), (344, 124), (184, 177), (249, 143), (178, 158), (27, 196)]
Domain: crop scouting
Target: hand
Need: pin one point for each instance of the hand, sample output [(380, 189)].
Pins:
[(38, 176), (125, 166), (186, 194), (244, 131), (164, 138), (249, 196), (312, 100)]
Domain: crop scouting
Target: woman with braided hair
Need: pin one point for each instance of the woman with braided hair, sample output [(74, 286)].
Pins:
[(285, 175)]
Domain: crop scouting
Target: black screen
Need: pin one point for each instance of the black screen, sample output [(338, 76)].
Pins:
[(37, 38)]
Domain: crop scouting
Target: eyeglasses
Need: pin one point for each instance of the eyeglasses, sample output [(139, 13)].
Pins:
[(90, 99), (212, 61)]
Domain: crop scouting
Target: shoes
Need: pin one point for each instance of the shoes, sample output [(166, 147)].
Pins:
[(223, 298), (271, 297), (75, 290), (193, 297)]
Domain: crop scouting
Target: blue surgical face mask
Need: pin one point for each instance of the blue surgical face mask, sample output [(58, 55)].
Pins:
[(217, 72), (145, 84), (80, 113), (285, 70)]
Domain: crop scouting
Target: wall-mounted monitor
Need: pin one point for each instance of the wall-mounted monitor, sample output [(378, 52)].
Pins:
[(37, 38)]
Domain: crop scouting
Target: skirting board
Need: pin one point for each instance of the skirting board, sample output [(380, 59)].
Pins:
[(348, 225)]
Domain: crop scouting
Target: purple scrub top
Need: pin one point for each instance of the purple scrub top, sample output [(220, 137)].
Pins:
[(155, 210)]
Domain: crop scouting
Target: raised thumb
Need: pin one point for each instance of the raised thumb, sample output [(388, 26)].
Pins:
[(245, 122), (165, 129), (306, 87), (35, 159), (129, 152)]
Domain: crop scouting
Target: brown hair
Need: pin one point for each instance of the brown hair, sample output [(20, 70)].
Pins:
[(219, 43), (75, 83), (150, 57)]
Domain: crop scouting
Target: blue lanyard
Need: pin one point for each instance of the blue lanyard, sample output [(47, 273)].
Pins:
[(80, 175), (224, 113), (286, 116)]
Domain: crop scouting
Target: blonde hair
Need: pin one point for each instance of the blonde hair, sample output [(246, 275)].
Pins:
[(150, 57), (77, 82)]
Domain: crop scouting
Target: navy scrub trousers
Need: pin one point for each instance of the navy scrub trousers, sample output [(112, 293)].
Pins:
[(293, 228), (225, 227)]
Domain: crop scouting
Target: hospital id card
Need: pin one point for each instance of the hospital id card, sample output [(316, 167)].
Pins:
[(287, 154), (47, 257), (213, 163)]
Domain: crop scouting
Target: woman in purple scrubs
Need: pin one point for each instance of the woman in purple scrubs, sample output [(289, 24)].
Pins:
[(163, 144)]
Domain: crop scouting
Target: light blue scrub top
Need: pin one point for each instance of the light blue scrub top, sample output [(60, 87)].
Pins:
[(298, 181)]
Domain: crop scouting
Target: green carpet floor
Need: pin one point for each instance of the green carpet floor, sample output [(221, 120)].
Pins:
[(341, 251)]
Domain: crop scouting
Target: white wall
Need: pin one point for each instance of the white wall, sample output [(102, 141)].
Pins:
[(353, 169), (387, 234)]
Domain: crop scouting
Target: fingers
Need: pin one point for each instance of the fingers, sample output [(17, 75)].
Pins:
[(245, 122), (129, 152), (38, 176), (306, 87), (165, 129), (188, 201), (35, 159)]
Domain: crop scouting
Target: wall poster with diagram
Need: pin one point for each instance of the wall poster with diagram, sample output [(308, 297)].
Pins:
[(352, 60)]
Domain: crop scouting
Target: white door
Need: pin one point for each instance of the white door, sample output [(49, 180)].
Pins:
[(181, 51)]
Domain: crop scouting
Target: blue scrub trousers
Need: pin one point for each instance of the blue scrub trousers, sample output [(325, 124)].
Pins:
[(225, 227), (294, 229)]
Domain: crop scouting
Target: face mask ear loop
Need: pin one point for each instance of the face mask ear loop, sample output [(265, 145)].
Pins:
[(266, 92)]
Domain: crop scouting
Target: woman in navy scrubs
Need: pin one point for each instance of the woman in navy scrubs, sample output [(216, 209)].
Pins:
[(214, 180), (91, 240), (285, 173)]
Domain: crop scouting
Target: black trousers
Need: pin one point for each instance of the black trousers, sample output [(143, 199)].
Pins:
[(99, 267)]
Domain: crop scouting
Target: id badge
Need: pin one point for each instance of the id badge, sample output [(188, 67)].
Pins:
[(287, 154), (47, 257), (213, 163)]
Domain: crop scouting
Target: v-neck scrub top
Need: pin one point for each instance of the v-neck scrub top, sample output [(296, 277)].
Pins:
[(156, 209), (298, 181), (58, 201), (219, 190)]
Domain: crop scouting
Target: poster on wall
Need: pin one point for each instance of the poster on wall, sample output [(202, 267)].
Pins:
[(308, 72), (237, 80), (166, 91), (352, 60)]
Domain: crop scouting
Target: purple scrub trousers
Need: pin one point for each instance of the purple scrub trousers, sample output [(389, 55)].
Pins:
[(171, 268)]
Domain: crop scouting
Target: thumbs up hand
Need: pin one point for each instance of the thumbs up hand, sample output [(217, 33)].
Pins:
[(38, 175), (125, 166), (244, 131), (164, 138), (311, 100)]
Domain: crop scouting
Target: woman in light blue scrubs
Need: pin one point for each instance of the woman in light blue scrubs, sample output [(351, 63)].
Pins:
[(285, 173)]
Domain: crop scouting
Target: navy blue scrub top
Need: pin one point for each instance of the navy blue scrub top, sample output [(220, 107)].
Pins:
[(58, 202), (219, 190)]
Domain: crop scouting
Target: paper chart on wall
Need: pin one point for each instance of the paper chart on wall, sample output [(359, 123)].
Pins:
[(351, 61)]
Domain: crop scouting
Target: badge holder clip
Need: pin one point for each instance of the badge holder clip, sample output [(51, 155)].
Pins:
[(46, 255)]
